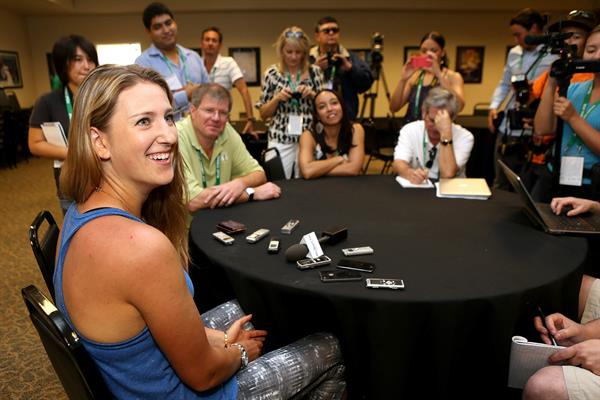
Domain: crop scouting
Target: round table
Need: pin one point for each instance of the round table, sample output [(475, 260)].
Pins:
[(472, 269)]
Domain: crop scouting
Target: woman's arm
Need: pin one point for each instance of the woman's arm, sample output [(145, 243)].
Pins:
[(453, 81), (268, 109), (309, 167), (590, 136), (401, 93), (545, 119), (157, 289), (39, 146), (356, 155)]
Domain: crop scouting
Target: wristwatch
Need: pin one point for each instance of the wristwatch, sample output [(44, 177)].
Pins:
[(243, 354), (446, 142), (250, 193)]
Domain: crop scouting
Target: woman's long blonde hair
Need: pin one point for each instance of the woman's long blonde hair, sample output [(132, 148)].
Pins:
[(296, 37), (82, 171)]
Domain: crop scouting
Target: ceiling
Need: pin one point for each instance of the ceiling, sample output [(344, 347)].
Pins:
[(69, 7)]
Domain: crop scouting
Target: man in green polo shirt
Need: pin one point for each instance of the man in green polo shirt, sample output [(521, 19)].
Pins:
[(219, 171)]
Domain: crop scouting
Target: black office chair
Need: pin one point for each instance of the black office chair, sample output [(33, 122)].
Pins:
[(271, 162), (379, 144), (44, 248), (73, 365)]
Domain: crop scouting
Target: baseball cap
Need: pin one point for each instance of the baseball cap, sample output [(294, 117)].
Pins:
[(578, 18)]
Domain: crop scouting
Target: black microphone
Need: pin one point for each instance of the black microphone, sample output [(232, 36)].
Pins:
[(330, 236), (534, 40)]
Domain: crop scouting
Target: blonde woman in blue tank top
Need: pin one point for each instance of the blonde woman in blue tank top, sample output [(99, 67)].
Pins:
[(119, 279)]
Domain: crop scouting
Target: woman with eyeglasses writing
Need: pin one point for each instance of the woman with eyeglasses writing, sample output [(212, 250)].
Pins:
[(422, 73), (435, 147), (287, 96)]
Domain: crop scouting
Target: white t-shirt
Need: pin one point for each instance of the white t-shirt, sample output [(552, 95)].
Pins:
[(413, 147), (225, 72)]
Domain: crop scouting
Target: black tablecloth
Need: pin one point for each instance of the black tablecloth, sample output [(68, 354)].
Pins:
[(471, 268)]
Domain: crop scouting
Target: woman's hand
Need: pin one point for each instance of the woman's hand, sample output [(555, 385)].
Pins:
[(579, 206), (564, 108), (306, 91), (407, 70), (236, 332), (253, 348), (284, 95), (435, 68)]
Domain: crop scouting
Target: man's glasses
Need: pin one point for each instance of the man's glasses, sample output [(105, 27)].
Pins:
[(432, 154), (214, 112), (328, 31), (292, 34)]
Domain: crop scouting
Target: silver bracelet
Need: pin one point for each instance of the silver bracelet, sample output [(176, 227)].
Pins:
[(243, 354)]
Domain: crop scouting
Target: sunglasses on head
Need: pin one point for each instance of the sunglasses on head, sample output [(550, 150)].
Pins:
[(292, 34), (330, 30), (582, 13)]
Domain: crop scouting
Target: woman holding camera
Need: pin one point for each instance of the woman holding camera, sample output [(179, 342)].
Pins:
[(334, 145), (580, 146), (422, 73), (287, 96), (121, 278)]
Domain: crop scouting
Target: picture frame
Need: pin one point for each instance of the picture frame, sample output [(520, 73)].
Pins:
[(363, 54), (10, 70), (469, 63), (410, 51), (248, 59)]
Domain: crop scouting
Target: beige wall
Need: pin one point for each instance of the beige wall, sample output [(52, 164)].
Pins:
[(401, 28), (14, 37)]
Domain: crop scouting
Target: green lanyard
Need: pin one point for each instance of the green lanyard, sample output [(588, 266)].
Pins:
[(218, 173), (183, 59), (293, 86), (586, 110), (68, 103), (417, 109)]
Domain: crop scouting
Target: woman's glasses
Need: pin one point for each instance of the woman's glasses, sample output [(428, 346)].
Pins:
[(292, 34)]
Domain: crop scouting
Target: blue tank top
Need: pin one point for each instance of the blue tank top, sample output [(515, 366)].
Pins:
[(135, 368)]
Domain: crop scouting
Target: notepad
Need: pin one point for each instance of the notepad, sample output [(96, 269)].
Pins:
[(526, 358), (405, 183), (55, 134)]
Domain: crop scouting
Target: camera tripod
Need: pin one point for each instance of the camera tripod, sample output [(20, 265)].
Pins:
[(377, 149), (371, 96)]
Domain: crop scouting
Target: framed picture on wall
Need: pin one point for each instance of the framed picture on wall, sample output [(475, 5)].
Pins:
[(469, 62), (10, 70), (363, 54), (248, 59), (410, 51)]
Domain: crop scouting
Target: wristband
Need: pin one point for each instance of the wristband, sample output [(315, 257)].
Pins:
[(243, 354), (446, 142)]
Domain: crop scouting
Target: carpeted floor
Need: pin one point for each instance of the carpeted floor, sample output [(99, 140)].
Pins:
[(25, 372)]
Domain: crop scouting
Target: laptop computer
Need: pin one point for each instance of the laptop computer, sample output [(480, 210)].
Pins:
[(542, 215), (464, 188)]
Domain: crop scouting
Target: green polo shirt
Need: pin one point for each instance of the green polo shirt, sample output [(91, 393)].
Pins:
[(235, 160)]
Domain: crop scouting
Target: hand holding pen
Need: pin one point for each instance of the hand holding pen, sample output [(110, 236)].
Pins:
[(547, 331)]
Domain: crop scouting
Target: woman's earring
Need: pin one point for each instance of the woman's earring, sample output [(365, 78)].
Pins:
[(319, 127)]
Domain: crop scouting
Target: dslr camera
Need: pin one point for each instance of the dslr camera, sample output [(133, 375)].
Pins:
[(333, 61), (522, 108)]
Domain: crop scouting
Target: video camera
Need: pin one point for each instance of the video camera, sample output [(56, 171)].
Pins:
[(567, 63), (522, 109), (376, 54)]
